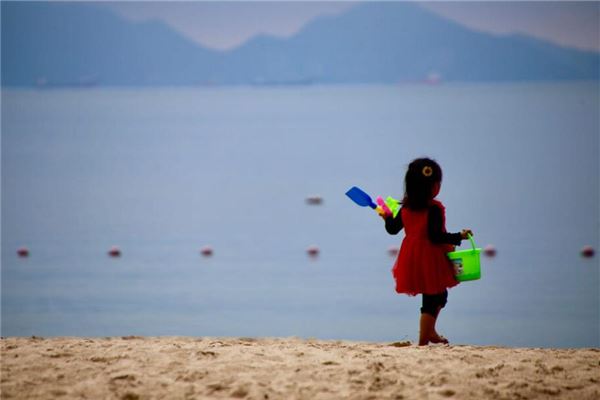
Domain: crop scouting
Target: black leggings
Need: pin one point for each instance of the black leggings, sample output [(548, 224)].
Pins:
[(431, 302)]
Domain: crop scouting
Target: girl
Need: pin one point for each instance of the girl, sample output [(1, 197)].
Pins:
[(422, 265)]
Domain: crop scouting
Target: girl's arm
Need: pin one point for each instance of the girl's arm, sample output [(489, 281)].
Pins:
[(394, 225), (435, 230)]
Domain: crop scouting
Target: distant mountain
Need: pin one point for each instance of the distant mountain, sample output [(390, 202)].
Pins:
[(78, 43), (391, 42), (67, 43)]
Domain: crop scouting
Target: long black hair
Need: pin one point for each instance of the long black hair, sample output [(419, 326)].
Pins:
[(421, 176)]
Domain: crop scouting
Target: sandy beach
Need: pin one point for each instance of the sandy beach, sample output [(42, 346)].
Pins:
[(134, 367)]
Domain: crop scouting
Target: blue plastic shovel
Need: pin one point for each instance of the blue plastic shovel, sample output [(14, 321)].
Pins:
[(360, 197)]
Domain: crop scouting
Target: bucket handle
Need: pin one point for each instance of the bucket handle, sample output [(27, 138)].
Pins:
[(472, 241)]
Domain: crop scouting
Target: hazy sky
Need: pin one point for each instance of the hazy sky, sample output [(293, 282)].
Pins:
[(227, 24)]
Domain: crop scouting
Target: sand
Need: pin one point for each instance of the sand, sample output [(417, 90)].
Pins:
[(288, 368)]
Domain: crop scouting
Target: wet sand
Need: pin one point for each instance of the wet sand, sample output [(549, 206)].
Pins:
[(130, 368)]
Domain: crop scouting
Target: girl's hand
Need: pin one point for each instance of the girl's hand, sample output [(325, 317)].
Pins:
[(465, 233)]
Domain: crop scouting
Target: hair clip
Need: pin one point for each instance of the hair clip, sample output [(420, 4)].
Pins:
[(427, 171)]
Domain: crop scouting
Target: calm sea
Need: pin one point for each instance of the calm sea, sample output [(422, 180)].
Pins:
[(163, 172)]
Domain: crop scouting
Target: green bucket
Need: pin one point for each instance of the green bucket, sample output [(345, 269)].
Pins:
[(467, 266)]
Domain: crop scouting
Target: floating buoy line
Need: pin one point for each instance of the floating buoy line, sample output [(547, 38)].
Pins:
[(314, 251), (490, 250)]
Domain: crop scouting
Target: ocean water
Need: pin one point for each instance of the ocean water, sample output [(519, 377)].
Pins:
[(162, 172)]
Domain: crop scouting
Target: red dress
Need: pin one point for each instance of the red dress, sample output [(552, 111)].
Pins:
[(422, 266)]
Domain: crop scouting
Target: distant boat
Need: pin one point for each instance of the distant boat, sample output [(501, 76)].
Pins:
[(87, 81), (41, 82), (285, 82), (433, 78)]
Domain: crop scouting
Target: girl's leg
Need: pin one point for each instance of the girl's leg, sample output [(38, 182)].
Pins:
[(435, 337), (426, 328), (428, 317), (432, 305)]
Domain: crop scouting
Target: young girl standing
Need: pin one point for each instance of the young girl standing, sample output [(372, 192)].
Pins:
[(422, 266)]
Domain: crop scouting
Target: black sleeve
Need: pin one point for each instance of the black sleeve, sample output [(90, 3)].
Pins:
[(434, 229), (393, 225)]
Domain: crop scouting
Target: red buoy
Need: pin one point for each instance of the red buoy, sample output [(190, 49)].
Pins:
[(206, 251), (114, 252), (313, 251), (489, 250), (23, 252), (314, 200), (588, 251)]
